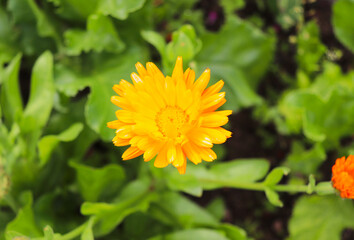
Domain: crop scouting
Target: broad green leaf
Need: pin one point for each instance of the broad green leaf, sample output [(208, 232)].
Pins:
[(305, 161), (8, 46), (273, 197), (198, 233), (21, 11), (45, 26), (230, 6), (100, 78), (99, 110), (147, 225), (321, 218), (239, 45), (101, 35), (10, 92), (276, 175), (47, 143), (240, 57), (309, 48), (77, 10), (308, 108), (119, 9), (186, 183), (217, 208), (135, 197), (233, 232), (231, 173), (156, 40), (24, 222), (94, 182), (176, 210), (184, 43), (69, 81), (41, 99), (343, 22)]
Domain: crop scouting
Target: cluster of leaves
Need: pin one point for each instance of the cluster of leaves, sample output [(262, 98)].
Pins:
[(60, 177)]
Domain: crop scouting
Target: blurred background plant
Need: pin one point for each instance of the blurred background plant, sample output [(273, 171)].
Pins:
[(288, 71)]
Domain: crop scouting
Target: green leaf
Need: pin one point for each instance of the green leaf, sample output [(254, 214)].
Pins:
[(10, 92), (217, 208), (233, 232), (8, 46), (240, 57), (308, 108), (273, 197), (186, 183), (76, 10), (343, 22), (289, 12), (101, 35), (47, 143), (192, 234), (87, 234), (229, 173), (184, 43), (324, 188), (276, 175), (309, 48), (135, 197), (24, 222), (94, 182), (305, 161), (45, 26), (100, 78), (156, 40), (41, 99), (119, 9), (321, 218), (177, 210), (240, 46), (48, 233), (99, 110), (230, 6)]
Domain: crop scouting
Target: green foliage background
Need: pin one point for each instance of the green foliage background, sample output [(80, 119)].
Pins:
[(61, 178)]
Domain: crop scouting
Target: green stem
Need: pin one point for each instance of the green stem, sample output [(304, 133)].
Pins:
[(77, 231), (258, 186)]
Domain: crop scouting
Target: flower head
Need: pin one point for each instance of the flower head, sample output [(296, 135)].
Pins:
[(343, 176), (171, 117)]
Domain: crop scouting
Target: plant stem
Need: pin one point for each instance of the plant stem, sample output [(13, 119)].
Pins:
[(74, 233), (258, 186)]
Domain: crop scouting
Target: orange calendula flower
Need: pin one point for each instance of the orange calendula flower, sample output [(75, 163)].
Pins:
[(343, 176), (171, 117)]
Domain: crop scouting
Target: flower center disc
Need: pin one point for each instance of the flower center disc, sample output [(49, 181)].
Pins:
[(170, 121)]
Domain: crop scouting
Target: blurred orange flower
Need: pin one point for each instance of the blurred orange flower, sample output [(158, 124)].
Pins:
[(171, 117), (343, 176)]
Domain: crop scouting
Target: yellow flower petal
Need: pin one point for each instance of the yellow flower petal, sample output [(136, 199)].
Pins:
[(131, 152), (189, 76), (213, 89), (161, 159), (172, 117), (177, 73), (141, 70), (202, 81)]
